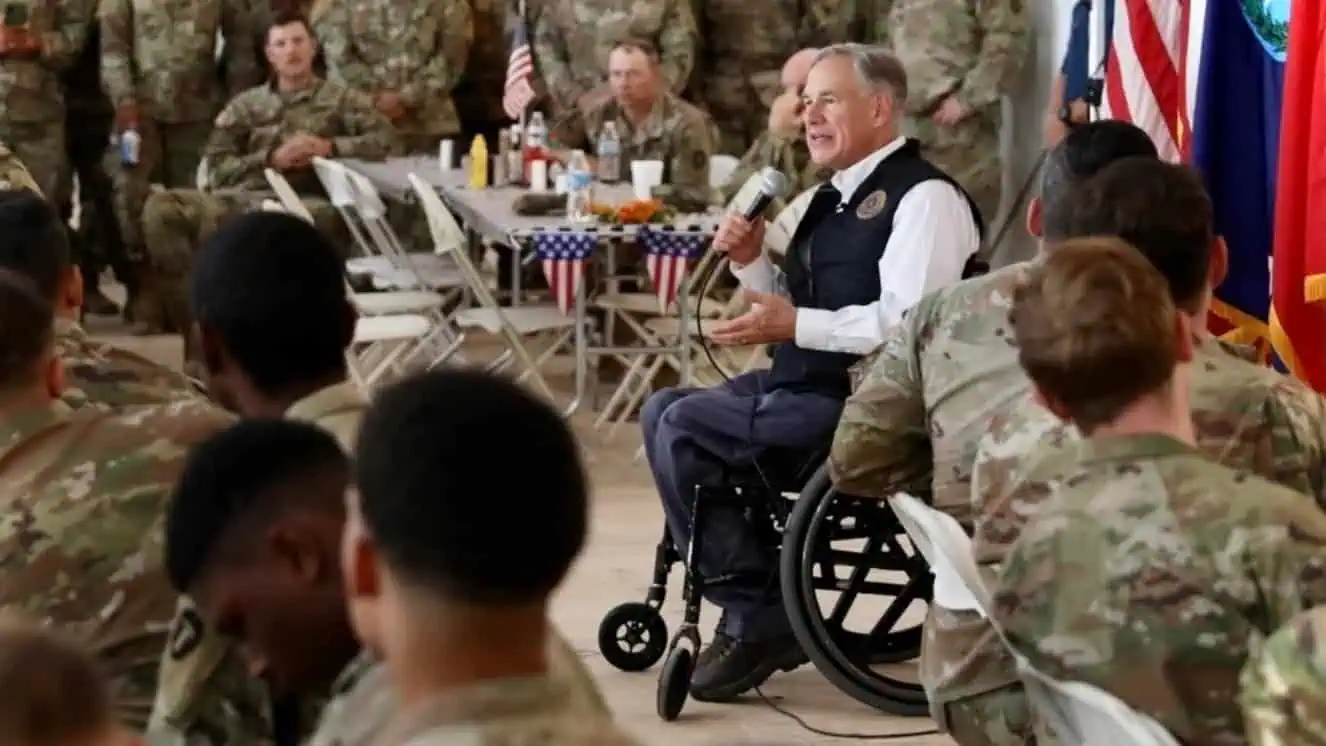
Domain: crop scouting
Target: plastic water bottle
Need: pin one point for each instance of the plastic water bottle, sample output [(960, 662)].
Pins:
[(130, 142), (609, 154), (579, 189)]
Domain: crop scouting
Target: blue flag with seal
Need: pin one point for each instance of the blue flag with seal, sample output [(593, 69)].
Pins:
[(1235, 146)]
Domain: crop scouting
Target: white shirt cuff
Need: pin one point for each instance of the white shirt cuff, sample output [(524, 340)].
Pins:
[(814, 328), (760, 275)]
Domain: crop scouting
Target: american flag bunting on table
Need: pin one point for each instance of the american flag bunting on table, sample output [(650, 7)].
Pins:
[(518, 92), (668, 254), (564, 254)]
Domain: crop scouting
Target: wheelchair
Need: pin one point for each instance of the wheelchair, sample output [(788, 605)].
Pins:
[(803, 529)]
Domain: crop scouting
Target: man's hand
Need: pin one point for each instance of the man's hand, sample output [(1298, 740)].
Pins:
[(293, 153), (951, 112), (390, 104), (771, 318), (126, 117), (741, 239), (1055, 130)]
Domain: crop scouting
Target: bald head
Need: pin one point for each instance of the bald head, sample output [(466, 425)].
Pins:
[(797, 68)]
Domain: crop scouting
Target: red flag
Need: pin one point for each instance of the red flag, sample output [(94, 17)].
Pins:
[(1298, 298), (564, 254), (668, 256)]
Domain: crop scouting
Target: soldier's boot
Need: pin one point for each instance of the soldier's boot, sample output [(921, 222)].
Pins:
[(95, 302), (143, 310)]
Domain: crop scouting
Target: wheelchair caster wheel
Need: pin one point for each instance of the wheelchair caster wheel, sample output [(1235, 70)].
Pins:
[(633, 636), (674, 682)]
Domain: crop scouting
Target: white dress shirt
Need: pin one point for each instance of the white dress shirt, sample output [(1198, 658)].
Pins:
[(933, 236)]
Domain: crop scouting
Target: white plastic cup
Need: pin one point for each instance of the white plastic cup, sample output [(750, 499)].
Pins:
[(538, 176), (645, 175), (446, 155)]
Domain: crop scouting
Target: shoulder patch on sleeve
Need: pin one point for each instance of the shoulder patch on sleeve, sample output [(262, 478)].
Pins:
[(187, 635)]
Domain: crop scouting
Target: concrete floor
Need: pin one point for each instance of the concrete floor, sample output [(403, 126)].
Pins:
[(615, 568)]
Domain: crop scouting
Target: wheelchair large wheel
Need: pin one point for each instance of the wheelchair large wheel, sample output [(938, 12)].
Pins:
[(815, 559)]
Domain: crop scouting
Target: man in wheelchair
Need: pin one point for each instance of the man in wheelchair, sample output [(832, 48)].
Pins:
[(886, 228)]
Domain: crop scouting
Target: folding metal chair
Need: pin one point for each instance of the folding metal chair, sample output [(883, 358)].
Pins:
[(516, 326)]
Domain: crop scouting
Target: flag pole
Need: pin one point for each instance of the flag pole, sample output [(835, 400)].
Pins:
[(524, 22)]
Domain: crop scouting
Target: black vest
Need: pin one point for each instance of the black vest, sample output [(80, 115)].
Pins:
[(833, 261)]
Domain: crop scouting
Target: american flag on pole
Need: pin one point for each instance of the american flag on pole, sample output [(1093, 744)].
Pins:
[(518, 92), (564, 254), (668, 254), (1144, 73)]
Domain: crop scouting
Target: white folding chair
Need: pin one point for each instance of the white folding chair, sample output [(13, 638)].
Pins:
[(202, 177), (515, 327), (287, 195), (721, 168)]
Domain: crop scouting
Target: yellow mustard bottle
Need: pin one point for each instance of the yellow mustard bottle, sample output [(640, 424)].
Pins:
[(478, 163)]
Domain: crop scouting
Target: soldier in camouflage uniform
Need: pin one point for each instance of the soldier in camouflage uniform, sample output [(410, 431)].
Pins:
[(15, 175), (214, 496), (159, 67), (1283, 686), (282, 125), (445, 421), (912, 424), (1144, 568), (962, 57), (42, 39), (96, 373), (574, 38), (782, 145), (84, 493), (98, 241), (738, 72), (407, 55), (652, 123)]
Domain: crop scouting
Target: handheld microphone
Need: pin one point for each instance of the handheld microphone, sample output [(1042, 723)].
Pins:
[(773, 185)]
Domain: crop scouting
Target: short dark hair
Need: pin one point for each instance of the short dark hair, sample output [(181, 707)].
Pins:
[(1084, 151), (55, 693), (447, 512), (227, 483), (33, 241), (272, 286), (1092, 308), (1162, 210), (637, 44), (285, 16), (27, 330)]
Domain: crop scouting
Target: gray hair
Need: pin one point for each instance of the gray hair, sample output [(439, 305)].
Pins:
[(876, 67)]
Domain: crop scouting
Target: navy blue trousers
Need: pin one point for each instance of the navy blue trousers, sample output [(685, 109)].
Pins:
[(690, 437)]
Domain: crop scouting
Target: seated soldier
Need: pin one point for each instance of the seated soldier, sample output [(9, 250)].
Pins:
[(55, 695), (652, 123), (783, 145), (15, 175), (35, 245), (283, 125), (84, 493), (464, 629), (254, 505), (1145, 568), (887, 228), (1283, 686), (941, 376)]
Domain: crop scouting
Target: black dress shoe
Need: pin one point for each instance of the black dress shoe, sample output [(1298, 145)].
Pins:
[(739, 666)]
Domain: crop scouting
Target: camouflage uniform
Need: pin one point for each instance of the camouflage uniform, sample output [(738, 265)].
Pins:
[(1246, 415), (973, 49), (254, 123), (573, 39), (1152, 572), (787, 154), (675, 132), (15, 175), (32, 118), (161, 55), (1283, 687), (363, 703), (414, 49), (938, 380), (103, 375), (205, 682), (739, 73), (84, 497), (88, 122)]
